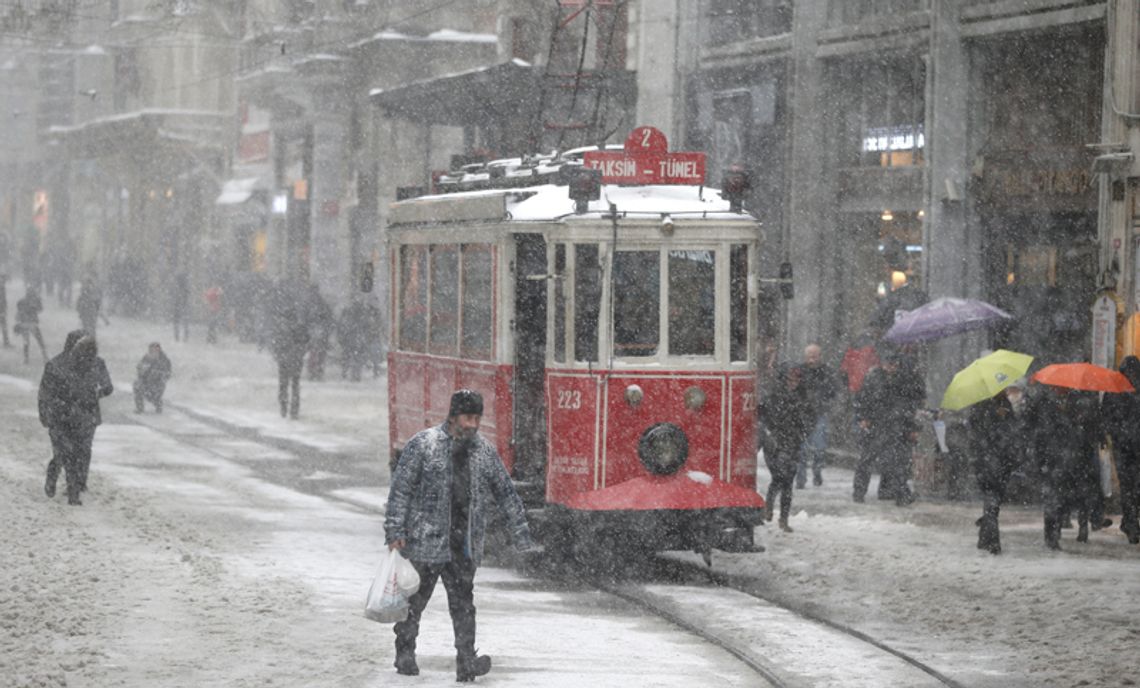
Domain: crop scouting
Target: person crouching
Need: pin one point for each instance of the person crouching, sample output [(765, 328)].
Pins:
[(153, 371)]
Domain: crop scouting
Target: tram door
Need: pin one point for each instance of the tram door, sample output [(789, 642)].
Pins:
[(530, 365)]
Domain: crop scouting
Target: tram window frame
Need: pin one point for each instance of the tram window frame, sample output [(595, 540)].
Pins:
[(443, 290), (476, 303), (413, 321), (587, 301), (690, 322), (739, 314), (561, 302), (637, 293)]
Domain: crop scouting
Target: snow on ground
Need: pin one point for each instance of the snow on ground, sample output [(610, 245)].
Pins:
[(183, 569)]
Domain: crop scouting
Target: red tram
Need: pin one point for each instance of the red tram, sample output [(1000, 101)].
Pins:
[(612, 340)]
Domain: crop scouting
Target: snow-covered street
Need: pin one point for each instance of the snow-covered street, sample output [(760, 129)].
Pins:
[(201, 557)]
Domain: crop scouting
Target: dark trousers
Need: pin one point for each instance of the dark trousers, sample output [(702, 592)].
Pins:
[(71, 451), (993, 479), (458, 580), (1128, 470), (289, 378), (782, 466), (148, 392), (893, 455)]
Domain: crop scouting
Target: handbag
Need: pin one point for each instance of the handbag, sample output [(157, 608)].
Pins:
[(1104, 459), (395, 581)]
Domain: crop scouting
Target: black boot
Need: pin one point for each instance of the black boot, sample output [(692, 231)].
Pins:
[(49, 484), (988, 536), (1053, 533), (468, 666), (1083, 532), (406, 663)]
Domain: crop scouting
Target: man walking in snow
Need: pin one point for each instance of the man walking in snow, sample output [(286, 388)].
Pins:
[(72, 385), (885, 409), (153, 371), (435, 516), (820, 383)]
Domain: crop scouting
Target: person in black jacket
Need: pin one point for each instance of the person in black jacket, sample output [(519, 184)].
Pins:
[(1066, 430), (820, 382), (785, 417), (290, 342), (28, 322), (1122, 420), (885, 409), (153, 371), (995, 447), (70, 389)]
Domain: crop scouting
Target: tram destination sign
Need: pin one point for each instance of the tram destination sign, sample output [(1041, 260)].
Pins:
[(647, 160)]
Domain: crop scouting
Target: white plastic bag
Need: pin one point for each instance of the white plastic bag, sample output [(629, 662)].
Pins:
[(1104, 457), (387, 600)]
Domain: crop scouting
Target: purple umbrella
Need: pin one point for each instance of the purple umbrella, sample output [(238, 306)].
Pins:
[(943, 317)]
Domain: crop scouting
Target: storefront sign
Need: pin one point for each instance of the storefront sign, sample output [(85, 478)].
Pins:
[(1104, 332), (647, 160)]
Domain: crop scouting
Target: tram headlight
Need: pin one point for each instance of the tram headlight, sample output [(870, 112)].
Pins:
[(663, 448), (634, 395), (695, 398)]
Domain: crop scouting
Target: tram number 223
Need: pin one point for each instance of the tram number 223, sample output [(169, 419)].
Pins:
[(569, 399), (749, 402)]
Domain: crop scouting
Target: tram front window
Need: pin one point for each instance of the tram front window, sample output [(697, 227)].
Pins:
[(636, 297), (692, 303)]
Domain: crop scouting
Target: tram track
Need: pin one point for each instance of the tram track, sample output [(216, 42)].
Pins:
[(660, 589)]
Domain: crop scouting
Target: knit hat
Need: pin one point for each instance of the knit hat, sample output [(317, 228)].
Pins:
[(466, 401)]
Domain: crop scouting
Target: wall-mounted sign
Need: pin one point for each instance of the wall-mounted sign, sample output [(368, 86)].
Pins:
[(1104, 332), (647, 160)]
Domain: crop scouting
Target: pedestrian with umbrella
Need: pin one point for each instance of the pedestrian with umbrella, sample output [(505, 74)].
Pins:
[(885, 410), (944, 317), (993, 429), (1122, 419), (1067, 430)]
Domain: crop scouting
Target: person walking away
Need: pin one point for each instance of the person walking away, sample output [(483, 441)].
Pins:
[(1065, 458), (28, 322), (786, 415), (90, 303), (153, 371), (820, 383), (215, 311), (994, 441), (5, 270), (885, 409), (323, 322), (1122, 420), (374, 337), (445, 482), (352, 335), (180, 306), (290, 342), (70, 389)]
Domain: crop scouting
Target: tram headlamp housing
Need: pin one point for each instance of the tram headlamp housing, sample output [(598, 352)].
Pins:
[(734, 186), (663, 448), (634, 395), (585, 185), (695, 398), (667, 225)]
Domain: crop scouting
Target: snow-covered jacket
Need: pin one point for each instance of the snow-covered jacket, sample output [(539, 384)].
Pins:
[(419, 500)]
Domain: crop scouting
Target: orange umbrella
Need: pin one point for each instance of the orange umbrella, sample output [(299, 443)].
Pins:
[(1086, 376)]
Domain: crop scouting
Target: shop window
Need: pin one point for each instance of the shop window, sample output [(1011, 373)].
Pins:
[(637, 301), (692, 303), (739, 20), (587, 301), (883, 120), (443, 332), (478, 302), (847, 12), (413, 298), (738, 302)]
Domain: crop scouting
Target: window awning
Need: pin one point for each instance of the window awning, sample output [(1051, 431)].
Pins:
[(236, 191), (486, 95)]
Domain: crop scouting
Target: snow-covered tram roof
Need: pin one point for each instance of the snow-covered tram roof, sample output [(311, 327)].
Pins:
[(552, 203)]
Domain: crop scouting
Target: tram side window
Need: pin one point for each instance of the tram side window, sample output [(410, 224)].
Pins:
[(478, 301), (444, 331), (637, 301), (738, 302), (413, 298), (587, 301), (559, 303), (692, 303)]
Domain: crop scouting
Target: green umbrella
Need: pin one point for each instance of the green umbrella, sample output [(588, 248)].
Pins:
[(984, 378)]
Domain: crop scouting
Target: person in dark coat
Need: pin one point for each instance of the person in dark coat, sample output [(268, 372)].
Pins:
[(70, 389), (90, 303), (786, 415), (820, 383), (153, 371), (180, 306), (290, 342), (352, 333), (1122, 421), (323, 322), (446, 481), (885, 409), (1066, 428), (995, 447), (28, 322)]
